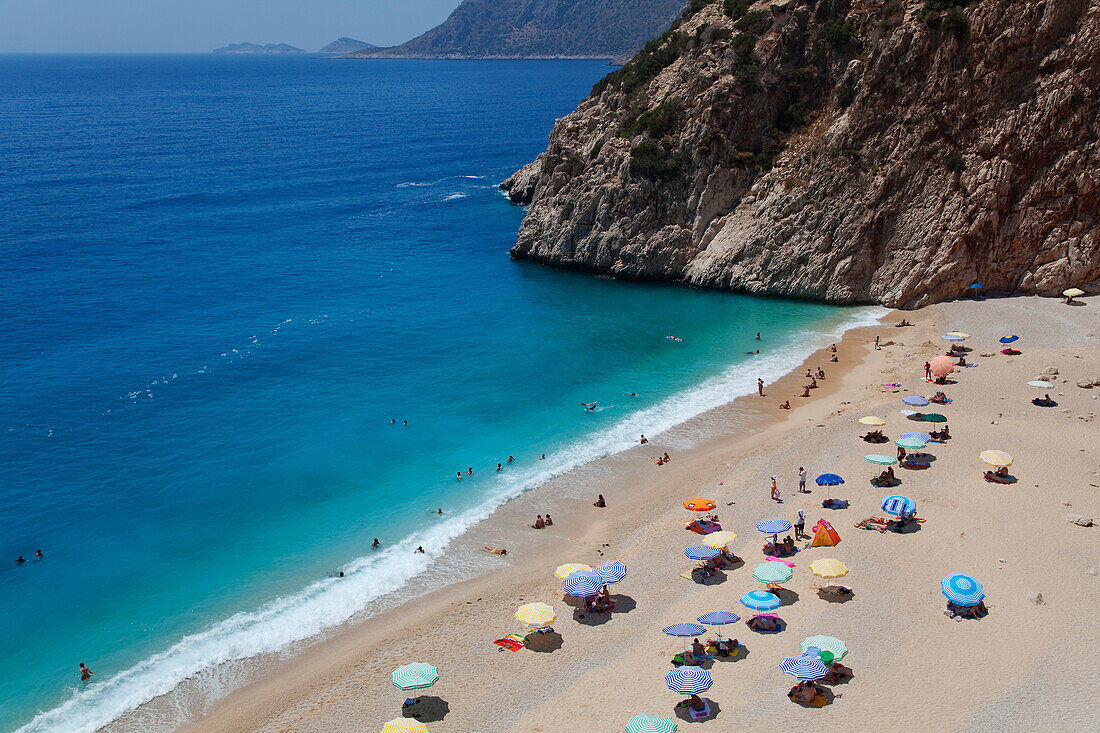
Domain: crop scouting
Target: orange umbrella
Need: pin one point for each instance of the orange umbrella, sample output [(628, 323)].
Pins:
[(941, 366), (699, 505)]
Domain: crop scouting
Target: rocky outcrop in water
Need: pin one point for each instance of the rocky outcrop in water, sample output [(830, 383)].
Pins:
[(850, 151), (267, 48)]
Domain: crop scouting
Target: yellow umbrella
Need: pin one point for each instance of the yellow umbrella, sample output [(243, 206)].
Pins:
[(570, 567), (1073, 293), (875, 422), (995, 458), (827, 567), (721, 538), (404, 725), (960, 334), (535, 615)]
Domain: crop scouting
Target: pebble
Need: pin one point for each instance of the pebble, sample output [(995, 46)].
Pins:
[(1079, 519)]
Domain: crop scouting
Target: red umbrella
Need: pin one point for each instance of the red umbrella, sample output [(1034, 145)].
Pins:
[(941, 366)]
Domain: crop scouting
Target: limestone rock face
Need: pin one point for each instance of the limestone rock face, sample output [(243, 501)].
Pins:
[(851, 151)]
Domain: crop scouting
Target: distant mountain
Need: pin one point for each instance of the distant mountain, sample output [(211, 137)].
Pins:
[(599, 29), (270, 48), (346, 45)]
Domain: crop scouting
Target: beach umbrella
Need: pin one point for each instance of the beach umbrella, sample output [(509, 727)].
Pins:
[(875, 422), (774, 526), (611, 572), (645, 723), (688, 680), (909, 443), (804, 667), (959, 333), (1040, 383), (772, 572), (827, 567), (404, 725), (1009, 339), (953, 337), (717, 618), (829, 479), (915, 400), (909, 413), (934, 417), (941, 365), (582, 583), (699, 505), (701, 552), (760, 600), (917, 435), (536, 615), (880, 460), (829, 644), (995, 458), (1073, 292), (899, 506), (962, 590), (563, 571), (684, 630), (721, 538), (976, 286), (415, 676)]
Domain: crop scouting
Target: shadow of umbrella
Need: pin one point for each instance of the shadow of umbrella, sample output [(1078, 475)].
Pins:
[(427, 709), (681, 712), (590, 618), (826, 692), (785, 595), (544, 643), (832, 594), (623, 603)]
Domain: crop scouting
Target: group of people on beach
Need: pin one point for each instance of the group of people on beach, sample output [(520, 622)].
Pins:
[(811, 374)]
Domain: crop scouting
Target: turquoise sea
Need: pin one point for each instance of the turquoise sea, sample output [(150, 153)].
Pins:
[(223, 279)]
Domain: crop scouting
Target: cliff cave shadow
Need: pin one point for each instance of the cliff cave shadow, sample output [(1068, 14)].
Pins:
[(544, 643), (427, 709), (623, 603), (682, 713)]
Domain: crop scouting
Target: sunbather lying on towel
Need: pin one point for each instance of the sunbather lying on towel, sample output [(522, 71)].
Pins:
[(977, 611), (835, 504), (768, 622), (837, 591), (809, 693), (1044, 401), (837, 674), (876, 523)]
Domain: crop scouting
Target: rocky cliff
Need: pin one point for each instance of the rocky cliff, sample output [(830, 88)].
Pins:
[(596, 29), (267, 48), (346, 45), (851, 151)]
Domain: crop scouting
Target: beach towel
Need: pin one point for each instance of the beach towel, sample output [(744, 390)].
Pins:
[(511, 642)]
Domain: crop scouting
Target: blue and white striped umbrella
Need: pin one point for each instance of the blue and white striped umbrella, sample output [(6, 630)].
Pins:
[(684, 630), (804, 668), (829, 479), (918, 435), (583, 583), (915, 400), (688, 680), (717, 618), (962, 590), (1009, 339), (899, 506), (611, 572), (699, 552), (774, 526), (761, 600)]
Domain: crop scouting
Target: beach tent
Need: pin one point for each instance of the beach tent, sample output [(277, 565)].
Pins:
[(824, 535)]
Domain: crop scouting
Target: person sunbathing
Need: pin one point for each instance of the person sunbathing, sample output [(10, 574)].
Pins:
[(724, 647), (728, 556), (833, 358), (694, 702), (977, 611), (939, 398), (820, 373), (837, 674), (835, 504), (805, 692), (786, 405), (805, 391), (539, 523), (837, 591), (762, 623), (787, 546), (1044, 401)]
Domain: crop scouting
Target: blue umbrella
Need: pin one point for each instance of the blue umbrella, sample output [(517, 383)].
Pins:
[(611, 572), (804, 668), (899, 506), (962, 590), (829, 479), (774, 526), (976, 286), (717, 618), (684, 630), (952, 337), (915, 400), (699, 552), (761, 600), (582, 583), (924, 437), (688, 680), (1009, 339)]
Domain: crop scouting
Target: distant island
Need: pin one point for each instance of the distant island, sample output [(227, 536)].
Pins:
[(270, 48), (344, 46), (487, 29)]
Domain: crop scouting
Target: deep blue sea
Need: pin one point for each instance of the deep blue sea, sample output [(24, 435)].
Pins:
[(222, 278)]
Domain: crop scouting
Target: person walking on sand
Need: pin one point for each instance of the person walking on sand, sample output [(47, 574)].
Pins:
[(775, 490), (800, 526), (877, 346), (760, 386), (927, 370), (802, 480), (85, 673)]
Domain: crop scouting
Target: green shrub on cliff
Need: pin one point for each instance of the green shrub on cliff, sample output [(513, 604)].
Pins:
[(650, 160), (736, 8), (657, 122), (654, 57), (839, 33)]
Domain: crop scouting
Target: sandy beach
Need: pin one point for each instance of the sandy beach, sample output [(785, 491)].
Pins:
[(1025, 666)]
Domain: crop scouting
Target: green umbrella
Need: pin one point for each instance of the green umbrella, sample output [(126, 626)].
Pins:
[(772, 572), (415, 676), (910, 443), (829, 644), (880, 460), (645, 723), (933, 417)]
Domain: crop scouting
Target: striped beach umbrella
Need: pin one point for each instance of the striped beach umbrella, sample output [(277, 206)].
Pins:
[(827, 567), (721, 538), (684, 630), (645, 723), (995, 458), (873, 421), (899, 506), (917, 435), (404, 725), (415, 676), (880, 460), (688, 680), (536, 615), (582, 583), (829, 644), (717, 618), (962, 590), (701, 552), (760, 600), (804, 668), (774, 526), (909, 443), (953, 337), (772, 572), (829, 479), (611, 572), (563, 571), (915, 400)]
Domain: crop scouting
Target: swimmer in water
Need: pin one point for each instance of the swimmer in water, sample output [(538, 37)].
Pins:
[(376, 543), (440, 511), (460, 475), (542, 457), (85, 673), (393, 421), (500, 467), (419, 550), (757, 335), (510, 459), (590, 406), (470, 470)]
